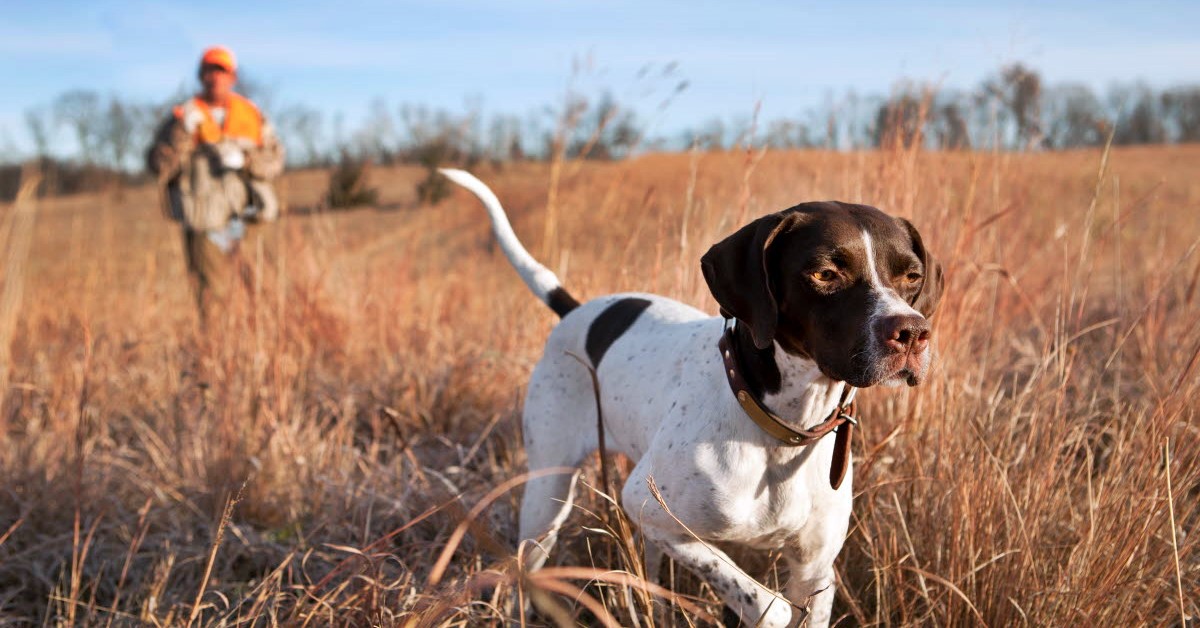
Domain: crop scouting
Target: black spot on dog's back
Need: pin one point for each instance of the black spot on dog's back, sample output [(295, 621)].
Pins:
[(610, 324)]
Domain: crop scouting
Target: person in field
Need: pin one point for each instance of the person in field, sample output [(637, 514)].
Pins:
[(215, 158)]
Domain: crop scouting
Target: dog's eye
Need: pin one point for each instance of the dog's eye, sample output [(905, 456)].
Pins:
[(912, 277), (825, 275)]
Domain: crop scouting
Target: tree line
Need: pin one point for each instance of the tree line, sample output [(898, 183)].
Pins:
[(1012, 109)]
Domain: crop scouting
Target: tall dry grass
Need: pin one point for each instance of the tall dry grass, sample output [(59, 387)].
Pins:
[(343, 446)]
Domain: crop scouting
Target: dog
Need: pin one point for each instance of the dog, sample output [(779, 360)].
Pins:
[(817, 301)]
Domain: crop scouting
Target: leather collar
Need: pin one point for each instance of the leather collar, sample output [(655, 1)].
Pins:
[(842, 420)]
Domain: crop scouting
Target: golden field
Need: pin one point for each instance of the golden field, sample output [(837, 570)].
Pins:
[(354, 413)]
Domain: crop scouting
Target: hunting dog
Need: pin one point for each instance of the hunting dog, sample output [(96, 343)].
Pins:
[(817, 300)]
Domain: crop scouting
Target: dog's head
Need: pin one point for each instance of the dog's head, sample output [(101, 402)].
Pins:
[(846, 286)]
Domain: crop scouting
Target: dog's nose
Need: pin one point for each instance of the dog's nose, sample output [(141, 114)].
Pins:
[(904, 334)]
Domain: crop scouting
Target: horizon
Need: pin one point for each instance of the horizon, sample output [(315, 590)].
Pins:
[(782, 58)]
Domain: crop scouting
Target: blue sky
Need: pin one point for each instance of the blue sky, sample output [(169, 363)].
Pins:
[(517, 55)]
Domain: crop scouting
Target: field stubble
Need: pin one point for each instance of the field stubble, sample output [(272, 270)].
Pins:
[(329, 452)]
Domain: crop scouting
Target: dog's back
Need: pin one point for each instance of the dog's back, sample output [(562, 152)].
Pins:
[(639, 345)]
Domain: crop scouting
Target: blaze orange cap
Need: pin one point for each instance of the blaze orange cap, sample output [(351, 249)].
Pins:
[(219, 56)]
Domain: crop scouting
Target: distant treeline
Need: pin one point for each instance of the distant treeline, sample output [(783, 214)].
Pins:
[(1010, 110)]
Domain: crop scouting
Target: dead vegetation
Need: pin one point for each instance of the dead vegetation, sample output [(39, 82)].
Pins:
[(344, 447)]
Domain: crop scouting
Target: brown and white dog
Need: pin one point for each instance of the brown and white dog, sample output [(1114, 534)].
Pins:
[(825, 295)]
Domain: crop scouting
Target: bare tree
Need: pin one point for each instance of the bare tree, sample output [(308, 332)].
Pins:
[(301, 128), (603, 131), (1075, 117), (434, 137), (504, 139), (950, 125), (1138, 115), (712, 135), (116, 134), (1018, 90), (786, 133), (857, 124), (377, 138), (1181, 111), (900, 121), (80, 110), (1025, 92), (39, 123)]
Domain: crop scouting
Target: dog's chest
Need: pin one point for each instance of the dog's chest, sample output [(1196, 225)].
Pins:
[(771, 501)]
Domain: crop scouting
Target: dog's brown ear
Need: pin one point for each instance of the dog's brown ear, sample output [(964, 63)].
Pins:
[(927, 298), (737, 275)]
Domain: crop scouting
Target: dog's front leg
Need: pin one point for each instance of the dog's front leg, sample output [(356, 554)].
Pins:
[(754, 603), (811, 585)]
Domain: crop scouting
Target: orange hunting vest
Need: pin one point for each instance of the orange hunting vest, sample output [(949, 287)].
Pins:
[(242, 121)]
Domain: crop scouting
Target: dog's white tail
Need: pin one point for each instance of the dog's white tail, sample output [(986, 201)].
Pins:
[(540, 280)]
